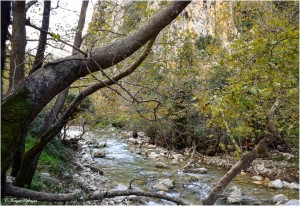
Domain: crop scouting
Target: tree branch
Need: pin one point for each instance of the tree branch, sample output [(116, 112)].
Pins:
[(98, 195), (30, 4)]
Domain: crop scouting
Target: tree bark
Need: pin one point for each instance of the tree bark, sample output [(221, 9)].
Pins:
[(18, 44), (21, 107), (29, 166), (245, 161), (40, 53), (16, 72), (41, 196)]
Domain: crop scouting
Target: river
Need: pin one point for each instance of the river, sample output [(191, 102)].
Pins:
[(122, 165)]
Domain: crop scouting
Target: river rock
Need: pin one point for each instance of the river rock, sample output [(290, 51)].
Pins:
[(162, 165), (279, 199), (151, 146), (292, 185), (141, 134), (288, 156), (276, 184), (175, 162), (201, 170), (153, 155), (235, 196), (293, 202), (100, 154), (163, 184), (257, 178), (132, 140), (257, 182), (101, 144), (178, 157)]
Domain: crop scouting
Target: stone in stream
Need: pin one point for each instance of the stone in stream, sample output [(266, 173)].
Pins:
[(292, 185), (257, 178), (235, 196), (279, 199), (101, 145), (257, 182), (100, 154), (293, 202), (163, 184), (201, 170), (162, 165), (276, 184)]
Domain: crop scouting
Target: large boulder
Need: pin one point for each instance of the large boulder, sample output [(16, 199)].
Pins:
[(276, 184), (235, 196), (279, 199)]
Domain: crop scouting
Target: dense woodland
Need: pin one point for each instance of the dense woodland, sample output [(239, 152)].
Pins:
[(231, 90)]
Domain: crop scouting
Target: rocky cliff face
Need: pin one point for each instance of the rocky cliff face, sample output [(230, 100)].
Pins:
[(202, 17)]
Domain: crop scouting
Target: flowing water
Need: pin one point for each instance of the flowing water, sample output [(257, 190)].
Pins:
[(122, 166)]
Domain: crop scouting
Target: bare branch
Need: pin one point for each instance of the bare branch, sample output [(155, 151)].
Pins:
[(98, 195), (52, 35)]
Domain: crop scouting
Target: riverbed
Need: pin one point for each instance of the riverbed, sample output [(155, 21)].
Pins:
[(121, 165)]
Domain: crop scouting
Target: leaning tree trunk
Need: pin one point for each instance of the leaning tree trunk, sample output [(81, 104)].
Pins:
[(20, 108), (245, 161), (26, 176)]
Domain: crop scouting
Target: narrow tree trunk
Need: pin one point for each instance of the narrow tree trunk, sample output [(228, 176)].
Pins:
[(17, 159), (40, 53), (228, 131), (5, 19), (18, 44), (16, 72), (31, 170)]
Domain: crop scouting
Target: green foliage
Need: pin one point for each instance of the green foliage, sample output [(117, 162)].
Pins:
[(53, 160), (118, 121), (85, 105), (203, 41), (262, 65)]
